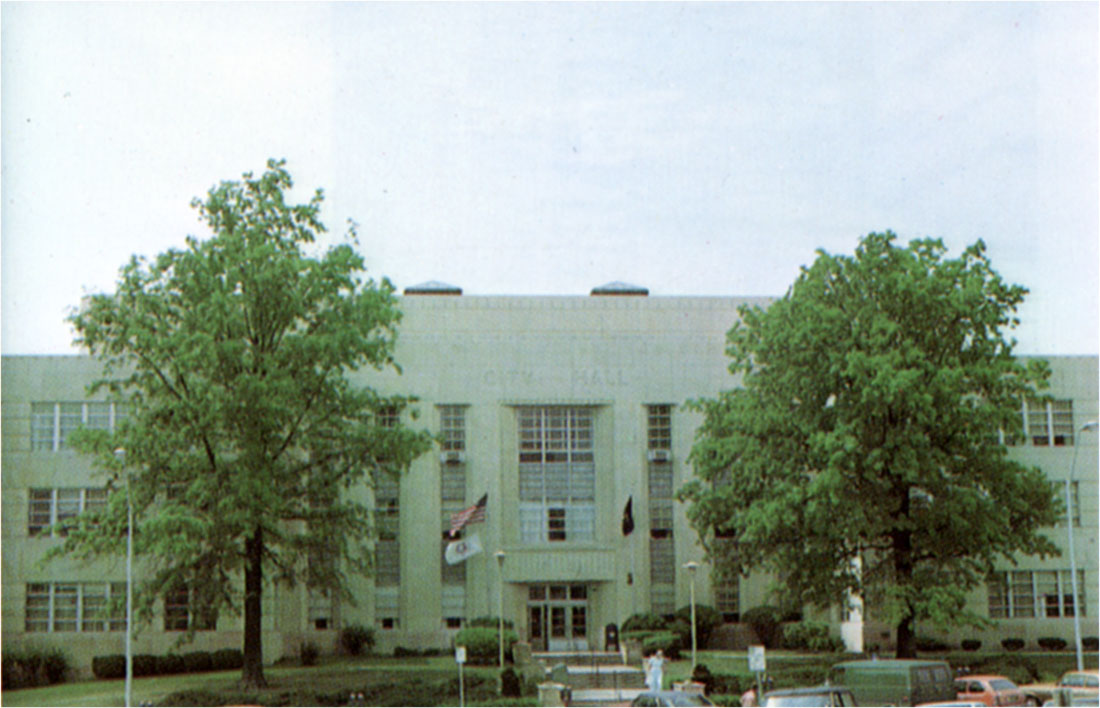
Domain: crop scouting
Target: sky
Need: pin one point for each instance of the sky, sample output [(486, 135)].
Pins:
[(548, 148)]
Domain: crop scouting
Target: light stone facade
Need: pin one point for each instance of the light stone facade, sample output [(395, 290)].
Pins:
[(552, 406)]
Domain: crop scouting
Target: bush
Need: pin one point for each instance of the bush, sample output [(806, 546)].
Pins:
[(1019, 669), (644, 622), (811, 636), (355, 638), (111, 666), (170, 664), (144, 664), (930, 644), (668, 642), (1091, 643), (764, 621), (488, 621), (226, 659), (1012, 644), (1051, 643), (726, 699), (482, 644), (971, 644), (308, 653), (33, 667), (510, 685), (706, 619), (198, 661)]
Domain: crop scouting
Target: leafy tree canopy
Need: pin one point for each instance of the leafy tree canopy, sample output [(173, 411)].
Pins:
[(244, 431), (867, 427)]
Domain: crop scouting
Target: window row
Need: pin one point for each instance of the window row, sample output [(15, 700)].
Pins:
[(52, 507), (52, 422), (1035, 593), (1045, 423), (75, 607)]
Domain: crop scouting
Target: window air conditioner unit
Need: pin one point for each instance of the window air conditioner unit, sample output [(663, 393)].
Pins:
[(452, 457), (659, 456)]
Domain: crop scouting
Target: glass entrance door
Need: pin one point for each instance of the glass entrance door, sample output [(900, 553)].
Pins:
[(557, 617)]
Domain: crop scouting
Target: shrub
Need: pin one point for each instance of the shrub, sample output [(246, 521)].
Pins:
[(930, 644), (482, 644), (33, 667), (764, 621), (354, 638), (702, 675), (170, 664), (725, 699), (111, 666), (308, 653), (643, 622), (226, 659), (811, 636), (1091, 643), (971, 644), (509, 683), (1051, 643), (1012, 644), (198, 661), (1019, 669), (488, 621), (668, 642), (706, 619), (144, 664)]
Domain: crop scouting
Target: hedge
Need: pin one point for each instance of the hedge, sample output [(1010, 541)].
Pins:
[(1051, 643), (26, 668), (113, 666), (483, 644), (765, 622)]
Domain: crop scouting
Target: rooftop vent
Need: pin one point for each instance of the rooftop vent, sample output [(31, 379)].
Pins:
[(433, 287), (618, 288)]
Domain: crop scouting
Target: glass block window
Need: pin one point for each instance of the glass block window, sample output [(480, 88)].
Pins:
[(662, 561), (453, 605), (727, 597), (387, 558), (451, 574), (53, 421), (386, 608), (659, 427), (321, 611), (452, 483), (452, 427), (662, 599)]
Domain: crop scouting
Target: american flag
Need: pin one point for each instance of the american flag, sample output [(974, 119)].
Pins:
[(470, 515)]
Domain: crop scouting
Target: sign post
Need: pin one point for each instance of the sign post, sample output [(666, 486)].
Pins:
[(758, 665), (460, 659)]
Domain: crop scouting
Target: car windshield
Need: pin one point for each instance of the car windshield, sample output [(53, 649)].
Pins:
[(1002, 685), (1081, 680), (802, 699), (690, 699)]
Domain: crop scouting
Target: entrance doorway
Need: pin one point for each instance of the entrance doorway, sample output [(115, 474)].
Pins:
[(557, 617)]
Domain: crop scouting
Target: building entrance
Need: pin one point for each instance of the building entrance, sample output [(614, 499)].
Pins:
[(557, 617)]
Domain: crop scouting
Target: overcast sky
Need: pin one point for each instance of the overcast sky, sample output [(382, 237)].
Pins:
[(510, 148)]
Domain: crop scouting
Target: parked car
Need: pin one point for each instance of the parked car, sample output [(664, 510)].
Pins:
[(989, 690), (811, 697), (895, 682), (658, 699), (1081, 682)]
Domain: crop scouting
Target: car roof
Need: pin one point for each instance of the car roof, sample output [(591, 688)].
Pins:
[(889, 663), (988, 677), (805, 690)]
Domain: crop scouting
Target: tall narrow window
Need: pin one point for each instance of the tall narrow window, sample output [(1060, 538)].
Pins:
[(661, 488), (557, 474)]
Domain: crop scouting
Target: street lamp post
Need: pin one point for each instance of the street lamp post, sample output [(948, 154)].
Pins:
[(1091, 425), (691, 567), (120, 454), (500, 605)]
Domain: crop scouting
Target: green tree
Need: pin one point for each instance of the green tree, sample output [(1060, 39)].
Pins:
[(866, 427), (245, 430)]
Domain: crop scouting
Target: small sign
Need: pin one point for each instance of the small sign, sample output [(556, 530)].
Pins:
[(756, 658), (460, 655)]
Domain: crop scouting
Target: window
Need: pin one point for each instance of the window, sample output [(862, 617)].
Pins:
[(183, 608), (387, 516), (388, 417), (52, 507), (321, 611), (75, 607), (53, 421), (1048, 423), (557, 475), (452, 427), (386, 607), (659, 427), (1031, 594)]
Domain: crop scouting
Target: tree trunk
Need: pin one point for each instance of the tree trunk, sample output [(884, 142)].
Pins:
[(252, 673), (903, 576)]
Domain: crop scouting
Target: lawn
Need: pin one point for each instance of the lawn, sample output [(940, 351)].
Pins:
[(434, 680)]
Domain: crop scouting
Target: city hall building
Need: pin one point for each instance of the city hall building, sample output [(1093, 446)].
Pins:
[(561, 412)]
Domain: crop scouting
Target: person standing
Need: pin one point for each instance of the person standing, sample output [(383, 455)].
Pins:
[(655, 669)]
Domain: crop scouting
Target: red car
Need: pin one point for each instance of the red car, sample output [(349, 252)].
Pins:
[(990, 690)]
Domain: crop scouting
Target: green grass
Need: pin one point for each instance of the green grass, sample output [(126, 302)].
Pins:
[(437, 675)]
